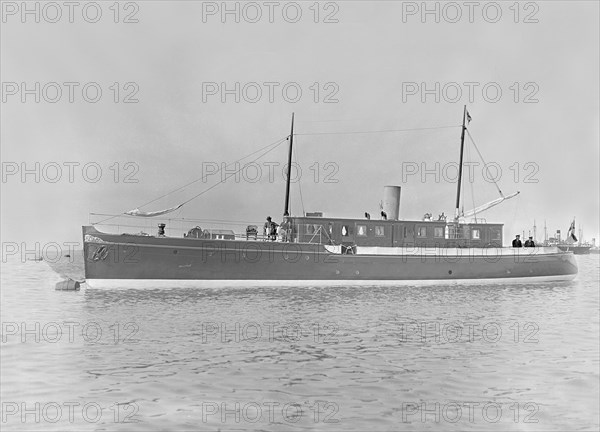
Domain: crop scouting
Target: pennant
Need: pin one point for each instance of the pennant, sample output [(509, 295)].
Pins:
[(469, 117)]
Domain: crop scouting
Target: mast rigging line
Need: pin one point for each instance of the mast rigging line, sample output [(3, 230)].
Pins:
[(184, 219), (376, 131), (472, 188), (273, 146), (276, 143), (299, 184), (484, 162), (484, 207)]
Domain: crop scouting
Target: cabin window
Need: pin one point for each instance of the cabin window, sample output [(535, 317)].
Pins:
[(344, 230), (311, 228), (422, 231), (465, 233), (438, 232), (379, 232), (454, 232), (475, 234), (450, 232), (361, 230), (495, 234)]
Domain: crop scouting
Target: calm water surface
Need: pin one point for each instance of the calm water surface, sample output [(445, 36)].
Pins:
[(489, 357)]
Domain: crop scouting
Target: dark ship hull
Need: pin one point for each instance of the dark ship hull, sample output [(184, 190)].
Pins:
[(147, 261)]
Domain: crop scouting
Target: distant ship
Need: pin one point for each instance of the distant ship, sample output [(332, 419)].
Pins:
[(576, 249), (317, 250), (572, 244)]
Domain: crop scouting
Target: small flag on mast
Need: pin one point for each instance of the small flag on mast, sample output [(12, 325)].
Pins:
[(468, 117)]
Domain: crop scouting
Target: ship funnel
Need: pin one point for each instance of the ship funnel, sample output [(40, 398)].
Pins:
[(391, 201)]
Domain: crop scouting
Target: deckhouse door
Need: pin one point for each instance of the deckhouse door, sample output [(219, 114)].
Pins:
[(408, 235)]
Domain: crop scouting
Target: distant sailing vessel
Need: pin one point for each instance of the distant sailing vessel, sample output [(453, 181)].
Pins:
[(316, 250)]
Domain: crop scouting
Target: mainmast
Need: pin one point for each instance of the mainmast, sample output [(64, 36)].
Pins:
[(460, 165), (289, 172)]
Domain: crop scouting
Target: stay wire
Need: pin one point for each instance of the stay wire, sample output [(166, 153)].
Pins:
[(299, 183), (276, 143), (484, 163), (375, 131), (274, 146), (223, 180)]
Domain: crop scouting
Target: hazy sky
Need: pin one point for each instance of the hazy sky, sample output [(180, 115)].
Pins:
[(528, 73)]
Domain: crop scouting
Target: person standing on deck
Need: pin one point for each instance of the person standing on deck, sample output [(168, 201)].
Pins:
[(284, 230), (529, 242), (270, 229), (274, 226), (267, 227), (516, 243)]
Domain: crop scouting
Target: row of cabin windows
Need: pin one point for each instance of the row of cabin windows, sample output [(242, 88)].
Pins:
[(421, 231), (361, 230), (438, 232)]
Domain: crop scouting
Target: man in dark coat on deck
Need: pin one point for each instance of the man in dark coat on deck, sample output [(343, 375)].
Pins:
[(517, 242)]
